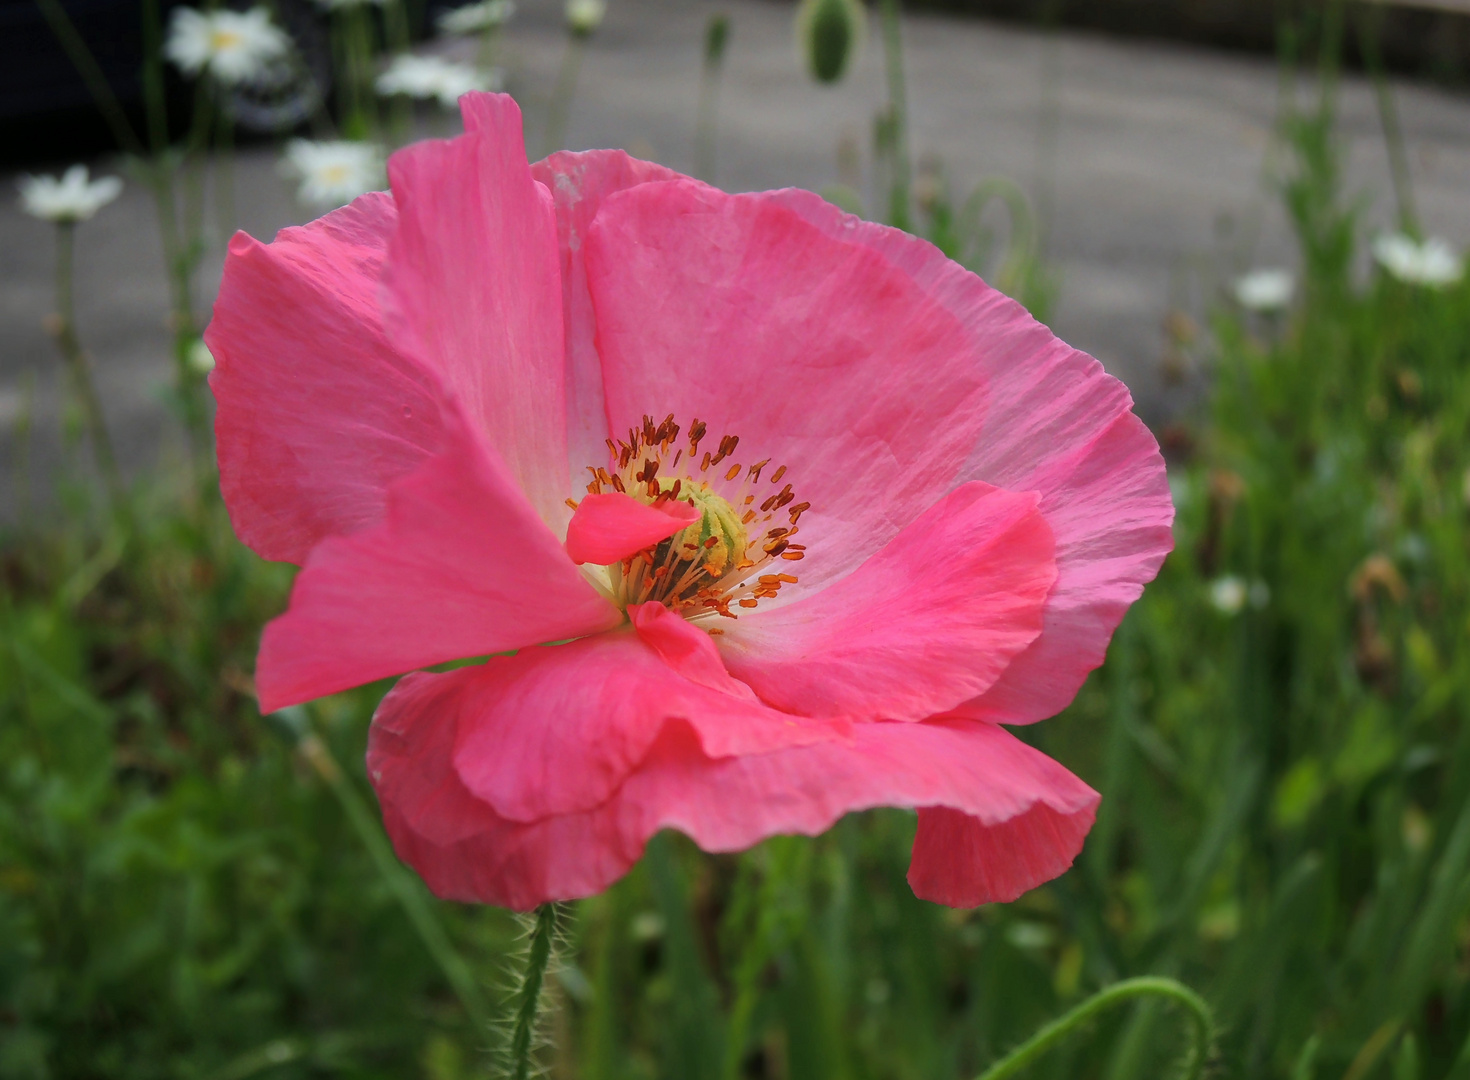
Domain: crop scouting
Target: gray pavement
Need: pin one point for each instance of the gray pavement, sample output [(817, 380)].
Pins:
[(1142, 151)]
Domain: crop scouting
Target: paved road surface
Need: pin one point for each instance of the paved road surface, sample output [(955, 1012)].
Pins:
[(1153, 147)]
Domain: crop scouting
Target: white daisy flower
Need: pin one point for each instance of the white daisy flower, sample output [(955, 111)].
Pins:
[(475, 18), (334, 173), (69, 198), (585, 16), (427, 77), (232, 46), (1433, 263), (1228, 594), (1265, 290)]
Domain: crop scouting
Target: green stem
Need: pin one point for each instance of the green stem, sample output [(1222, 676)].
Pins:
[(716, 34), (224, 176), (1393, 134), (153, 99), (409, 899), (91, 73), (77, 366), (561, 97), (898, 192), (1148, 986), (485, 54), (538, 959)]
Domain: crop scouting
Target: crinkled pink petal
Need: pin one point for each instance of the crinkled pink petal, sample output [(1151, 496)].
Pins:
[(579, 182), (318, 413), (1056, 424), (1025, 815), (960, 861), (687, 649), (461, 566), (818, 353), (473, 288), (930, 621), (556, 730), (607, 528)]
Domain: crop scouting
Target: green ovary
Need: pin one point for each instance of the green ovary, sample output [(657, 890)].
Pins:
[(718, 520)]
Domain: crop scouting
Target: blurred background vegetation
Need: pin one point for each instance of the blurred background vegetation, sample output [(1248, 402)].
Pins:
[(188, 890)]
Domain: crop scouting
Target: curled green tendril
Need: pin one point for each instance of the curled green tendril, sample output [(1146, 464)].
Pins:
[(1202, 1023)]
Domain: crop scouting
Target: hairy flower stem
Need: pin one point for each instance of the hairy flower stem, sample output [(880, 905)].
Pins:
[(79, 371), (1202, 1023), (898, 190), (528, 1004)]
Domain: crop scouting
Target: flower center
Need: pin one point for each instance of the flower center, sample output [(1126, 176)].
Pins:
[(736, 554), (224, 40)]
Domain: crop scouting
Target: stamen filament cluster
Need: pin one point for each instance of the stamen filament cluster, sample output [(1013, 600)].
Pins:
[(714, 566)]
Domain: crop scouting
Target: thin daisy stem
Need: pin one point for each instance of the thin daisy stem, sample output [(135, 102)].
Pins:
[(898, 191), (91, 73), (561, 97), (528, 1004), (716, 36), (79, 371), (1201, 1022)]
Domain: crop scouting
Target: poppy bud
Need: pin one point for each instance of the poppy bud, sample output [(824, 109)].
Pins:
[(716, 36), (829, 34)]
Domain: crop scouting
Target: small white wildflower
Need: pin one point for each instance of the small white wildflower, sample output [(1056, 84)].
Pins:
[(69, 198), (434, 77), (1265, 290), (1433, 263), (334, 173), (475, 18), (585, 16), (232, 46), (200, 358), (1228, 594)]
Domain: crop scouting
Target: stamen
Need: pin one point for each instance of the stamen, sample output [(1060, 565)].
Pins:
[(713, 566)]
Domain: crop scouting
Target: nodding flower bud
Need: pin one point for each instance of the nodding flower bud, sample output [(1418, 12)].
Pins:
[(829, 34), (585, 16)]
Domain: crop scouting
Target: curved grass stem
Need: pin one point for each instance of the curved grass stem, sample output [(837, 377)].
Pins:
[(1202, 1023)]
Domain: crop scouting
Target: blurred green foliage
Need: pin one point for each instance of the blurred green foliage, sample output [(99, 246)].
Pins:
[(189, 891)]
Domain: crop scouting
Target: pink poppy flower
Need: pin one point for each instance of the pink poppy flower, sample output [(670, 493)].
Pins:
[(783, 513)]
